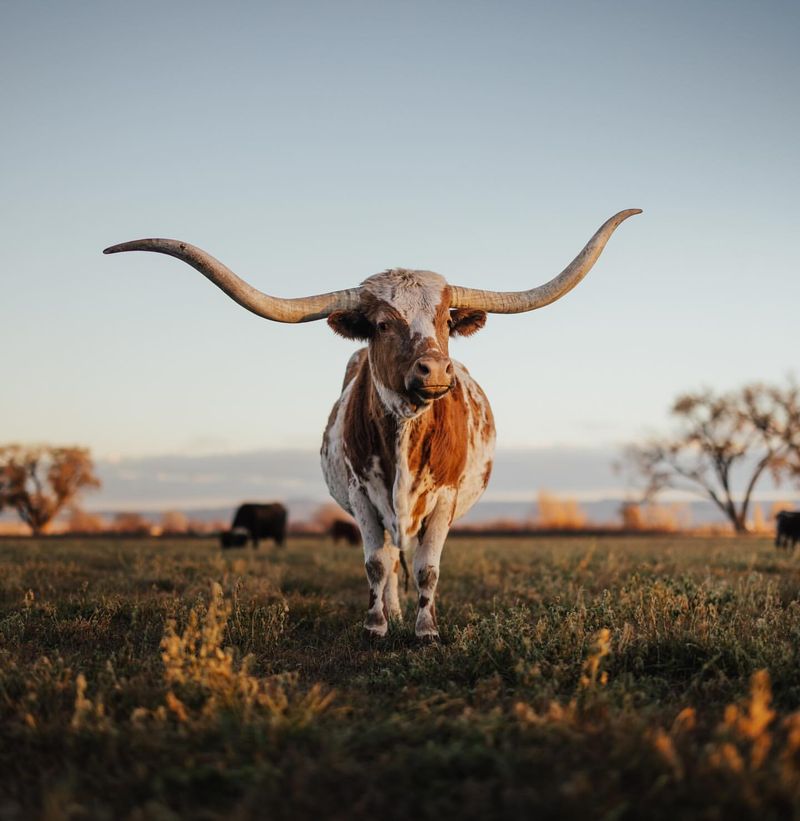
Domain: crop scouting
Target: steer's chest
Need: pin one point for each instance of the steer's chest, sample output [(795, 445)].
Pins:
[(411, 494), (441, 458), (401, 496)]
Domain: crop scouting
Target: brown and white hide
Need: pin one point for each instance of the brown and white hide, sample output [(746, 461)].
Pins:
[(405, 461)]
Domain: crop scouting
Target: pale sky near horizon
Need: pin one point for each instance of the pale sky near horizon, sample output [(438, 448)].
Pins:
[(309, 145)]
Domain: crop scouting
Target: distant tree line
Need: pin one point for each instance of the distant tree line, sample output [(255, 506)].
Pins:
[(722, 446)]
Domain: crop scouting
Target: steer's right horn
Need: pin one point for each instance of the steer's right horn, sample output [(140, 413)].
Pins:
[(301, 309)]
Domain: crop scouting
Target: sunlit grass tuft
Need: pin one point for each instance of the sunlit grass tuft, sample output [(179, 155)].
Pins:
[(205, 679)]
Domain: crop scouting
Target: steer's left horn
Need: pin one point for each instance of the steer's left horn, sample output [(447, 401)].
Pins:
[(516, 302), (301, 309)]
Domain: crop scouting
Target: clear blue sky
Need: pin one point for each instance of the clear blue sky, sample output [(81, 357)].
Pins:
[(309, 145)]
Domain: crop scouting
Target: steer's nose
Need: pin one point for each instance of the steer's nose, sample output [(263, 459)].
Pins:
[(434, 369), (431, 375)]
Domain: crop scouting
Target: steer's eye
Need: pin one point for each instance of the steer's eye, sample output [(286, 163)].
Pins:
[(382, 326)]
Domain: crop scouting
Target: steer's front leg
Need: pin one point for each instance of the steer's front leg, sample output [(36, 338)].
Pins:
[(391, 593), (378, 561), (426, 566)]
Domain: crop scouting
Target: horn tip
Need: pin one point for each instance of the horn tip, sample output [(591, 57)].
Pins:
[(122, 246), (134, 245)]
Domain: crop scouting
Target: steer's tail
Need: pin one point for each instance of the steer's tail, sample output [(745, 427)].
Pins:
[(405, 568)]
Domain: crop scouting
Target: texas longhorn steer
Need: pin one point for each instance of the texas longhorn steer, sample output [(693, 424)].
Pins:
[(409, 443)]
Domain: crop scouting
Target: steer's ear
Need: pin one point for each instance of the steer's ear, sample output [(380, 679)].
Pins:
[(350, 324), (466, 321)]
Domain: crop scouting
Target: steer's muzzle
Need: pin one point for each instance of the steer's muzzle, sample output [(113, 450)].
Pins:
[(430, 377)]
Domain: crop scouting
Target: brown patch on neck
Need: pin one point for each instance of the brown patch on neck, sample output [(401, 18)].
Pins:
[(437, 447), (369, 431), (438, 440)]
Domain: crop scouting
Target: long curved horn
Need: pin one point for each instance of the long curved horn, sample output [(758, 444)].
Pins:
[(303, 309), (516, 302)]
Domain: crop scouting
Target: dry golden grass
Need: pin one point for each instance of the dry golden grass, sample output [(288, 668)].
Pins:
[(576, 678)]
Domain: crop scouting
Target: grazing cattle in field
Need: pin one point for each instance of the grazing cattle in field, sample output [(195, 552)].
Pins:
[(409, 443), (260, 522), (342, 531), (787, 529), (233, 538)]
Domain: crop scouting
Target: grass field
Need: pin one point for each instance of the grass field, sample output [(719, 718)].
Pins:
[(606, 678)]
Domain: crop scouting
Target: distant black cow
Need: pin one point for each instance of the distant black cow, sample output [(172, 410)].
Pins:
[(258, 522), (787, 529), (342, 531)]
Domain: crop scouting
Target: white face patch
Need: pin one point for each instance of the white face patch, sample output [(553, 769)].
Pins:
[(415, 295)]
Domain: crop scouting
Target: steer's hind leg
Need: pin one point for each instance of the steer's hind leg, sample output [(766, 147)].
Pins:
[(378, 561)]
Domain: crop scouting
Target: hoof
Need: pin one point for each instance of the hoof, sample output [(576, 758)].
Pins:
[(371, 638), (376, 625), (426, 626)]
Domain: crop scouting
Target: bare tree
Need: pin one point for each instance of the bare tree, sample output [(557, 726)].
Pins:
[(39, 481), (724, 444)]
